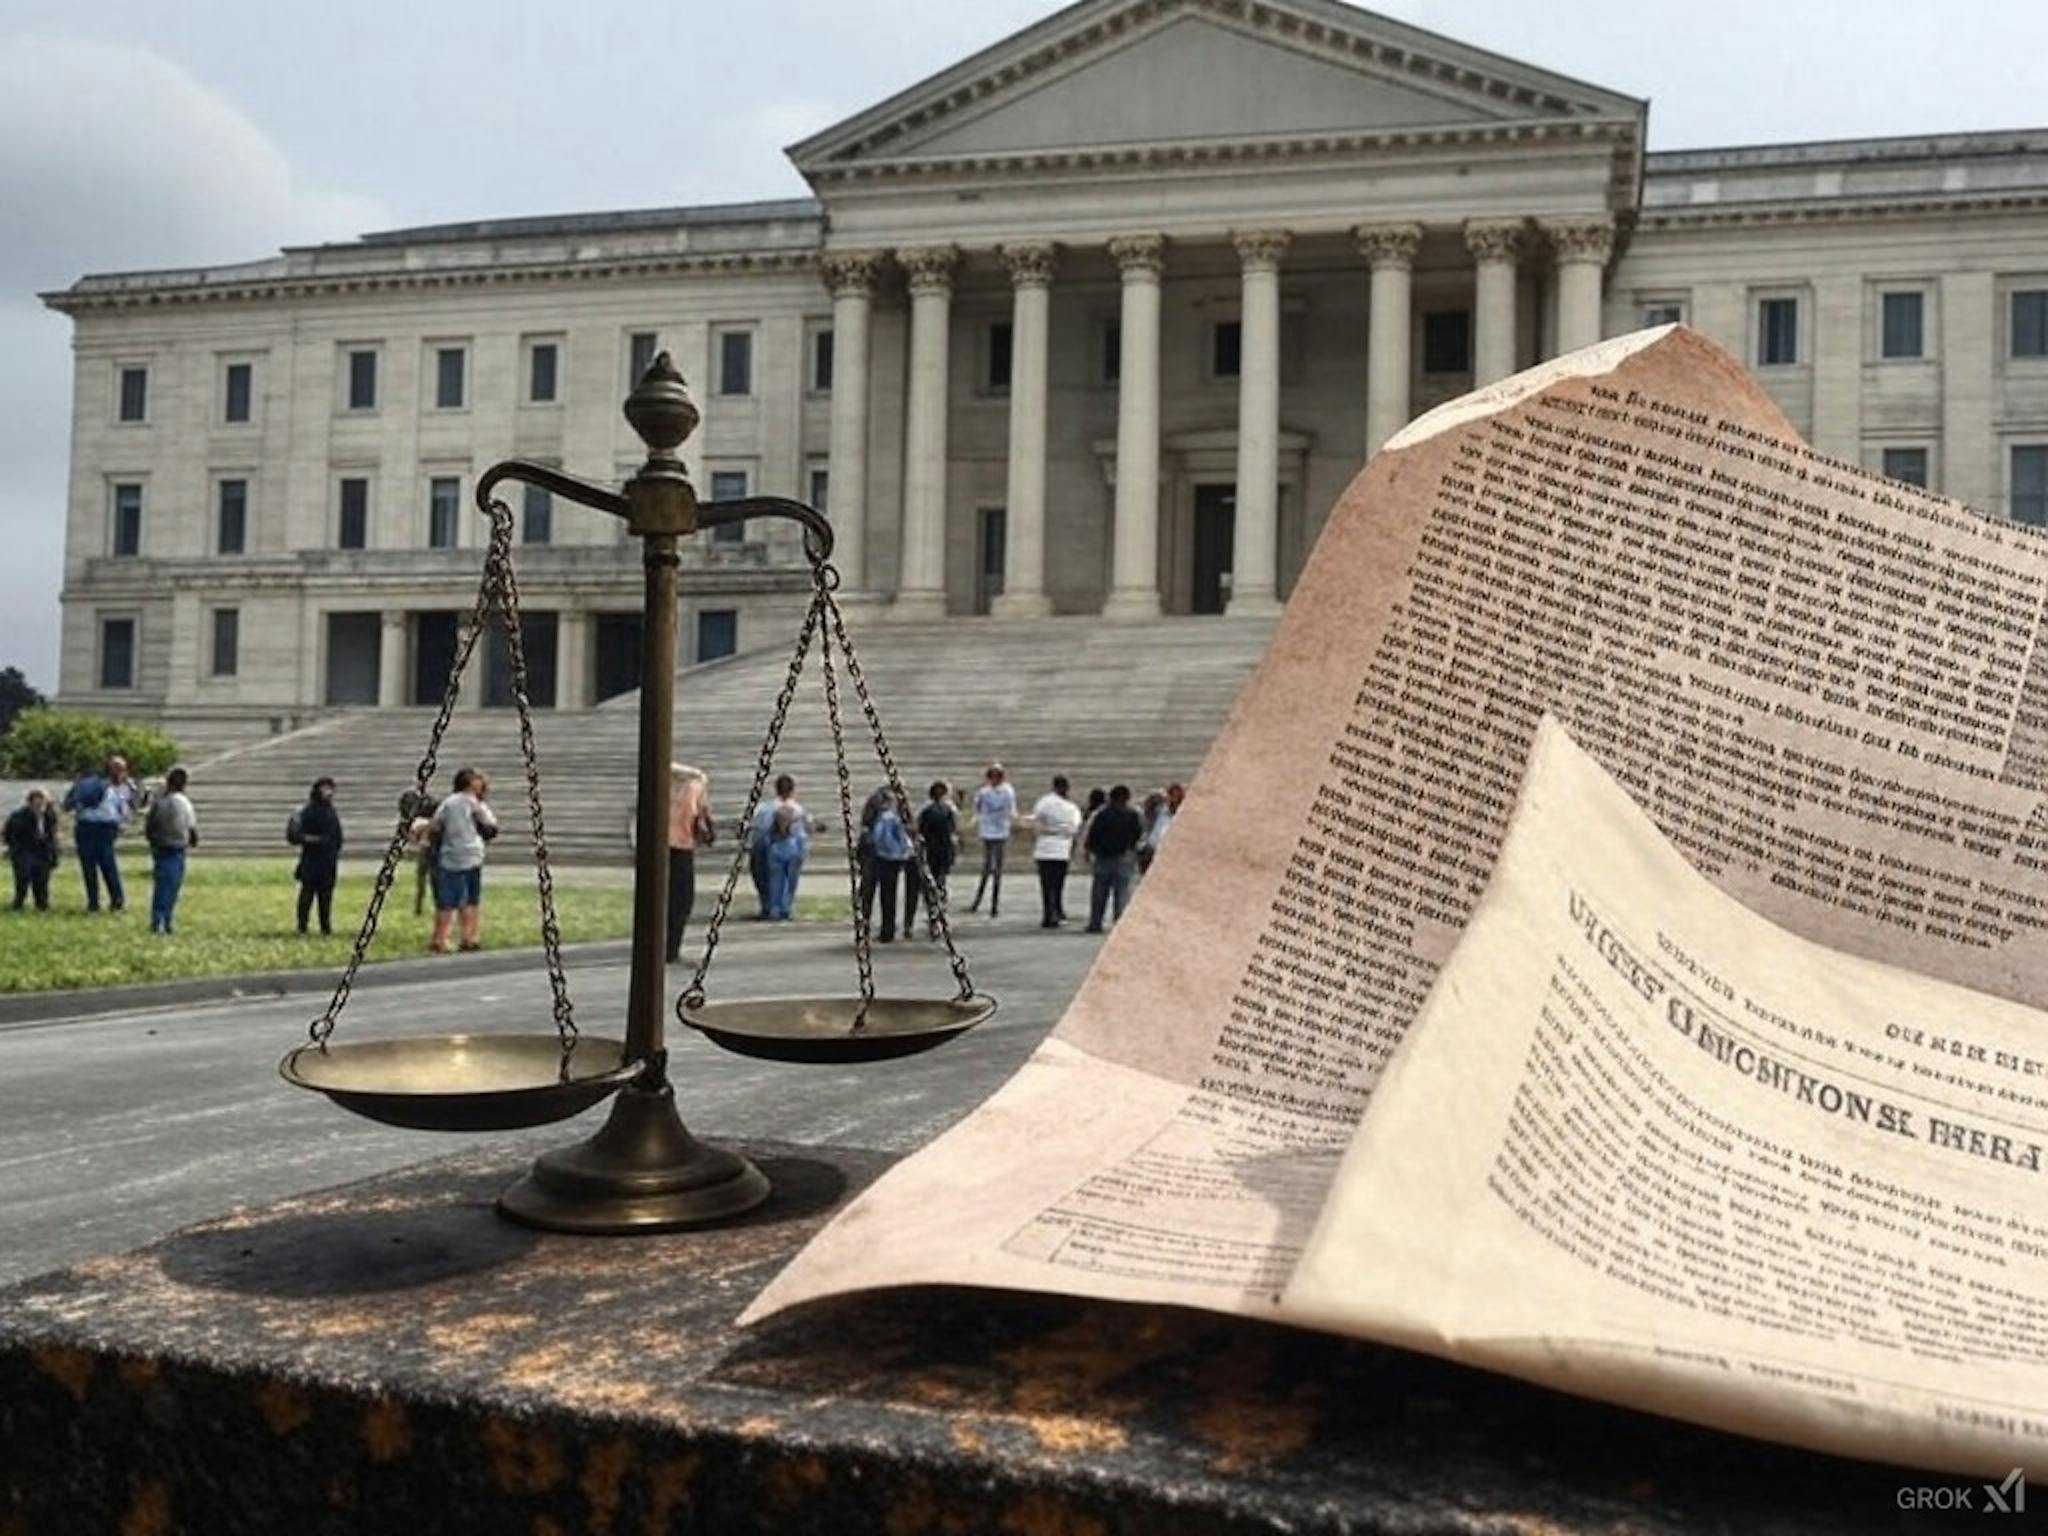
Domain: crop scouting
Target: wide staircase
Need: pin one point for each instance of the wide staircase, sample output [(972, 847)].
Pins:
[(1102, 703)]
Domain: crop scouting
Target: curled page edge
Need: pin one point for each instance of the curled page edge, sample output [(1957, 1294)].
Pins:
[(1601, 357)]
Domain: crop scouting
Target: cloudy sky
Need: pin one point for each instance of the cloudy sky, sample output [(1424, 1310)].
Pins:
[(139, 134)]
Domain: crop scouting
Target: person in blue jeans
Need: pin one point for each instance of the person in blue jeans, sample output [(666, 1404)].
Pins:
[(172, 828), (102, 801), (789, 842)]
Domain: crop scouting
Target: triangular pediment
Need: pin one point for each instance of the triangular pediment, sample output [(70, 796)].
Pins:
[(1115, 73)]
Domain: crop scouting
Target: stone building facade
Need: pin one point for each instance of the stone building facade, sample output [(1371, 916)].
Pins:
[(1097, 322)]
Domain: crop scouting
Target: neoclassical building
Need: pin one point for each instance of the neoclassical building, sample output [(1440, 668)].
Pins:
[(1099, 321)]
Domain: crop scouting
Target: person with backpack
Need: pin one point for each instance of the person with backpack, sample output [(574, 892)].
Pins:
[(171, 829), (938, 829), (101, 803), (892, 857), (462, 825), (789, 842), (867, 875), (32, 849), (315, 830)]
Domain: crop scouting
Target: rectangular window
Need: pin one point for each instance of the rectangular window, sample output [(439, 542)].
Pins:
[(1447, 341), (2030, 485), (821, 490), (537, 516), (2029, 322), (237, 390), (232, 530), (1112, 352), (127, 520), (641, 349), (135, 394), (541, 363), (821, 362), (227, 641), (450, 363), (1906, 465), (718, 632), (728, 485), (1226, 349), (1777, 332), (117, 653), (353, 531), (444, 502), (1000, 347), (1902, 325), (1663, 312), (735, 362), (362, 381)]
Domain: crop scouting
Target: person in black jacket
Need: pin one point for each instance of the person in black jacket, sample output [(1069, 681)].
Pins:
[(32, 849), (1113, 851), (316, 828)]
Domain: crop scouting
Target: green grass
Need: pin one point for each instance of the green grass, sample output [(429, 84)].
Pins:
[(238, 915)]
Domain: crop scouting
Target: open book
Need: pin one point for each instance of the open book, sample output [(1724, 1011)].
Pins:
[(1734, 1106)]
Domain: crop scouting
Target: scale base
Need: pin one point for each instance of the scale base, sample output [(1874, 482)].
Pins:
[(644, 1172)]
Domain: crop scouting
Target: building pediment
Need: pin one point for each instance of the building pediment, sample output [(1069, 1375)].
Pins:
[(1110, 74)]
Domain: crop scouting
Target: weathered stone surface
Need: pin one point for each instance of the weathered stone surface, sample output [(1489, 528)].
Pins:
[(391, 1357)]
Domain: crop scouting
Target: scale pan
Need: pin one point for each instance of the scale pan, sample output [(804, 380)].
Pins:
[(820, 1029), (464, 1082)]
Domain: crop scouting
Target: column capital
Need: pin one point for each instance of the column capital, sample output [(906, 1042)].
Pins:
[(1260, 249), (1590, 240), (1389, 245), (1139, 255), (930, 267), (1030, 266), (850, 274), (1495, 239)]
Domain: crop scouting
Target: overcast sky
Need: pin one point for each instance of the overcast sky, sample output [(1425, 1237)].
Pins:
[(139, 134)]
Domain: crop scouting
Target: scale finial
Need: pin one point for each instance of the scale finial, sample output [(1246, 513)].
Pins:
[(660, 408)]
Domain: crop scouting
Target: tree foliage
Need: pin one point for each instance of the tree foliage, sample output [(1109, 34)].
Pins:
[(16, 695), (47, 743)]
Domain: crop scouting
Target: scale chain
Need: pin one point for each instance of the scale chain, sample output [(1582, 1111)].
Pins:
[(863, 933)]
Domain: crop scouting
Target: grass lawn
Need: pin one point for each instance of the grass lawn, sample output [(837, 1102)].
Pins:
[(236, 915)]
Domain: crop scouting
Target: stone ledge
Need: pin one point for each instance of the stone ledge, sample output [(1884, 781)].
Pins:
[(390, 1356)]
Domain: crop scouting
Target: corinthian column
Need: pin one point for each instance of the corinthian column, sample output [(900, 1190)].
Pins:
[(850, 276), (1390, 248), (1582, 247), (1495, 245), (1254, 564), (1023, 594), (921, 579), (1134, 556)]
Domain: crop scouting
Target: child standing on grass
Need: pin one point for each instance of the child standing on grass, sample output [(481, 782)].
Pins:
[(172, 827), (316, 828)]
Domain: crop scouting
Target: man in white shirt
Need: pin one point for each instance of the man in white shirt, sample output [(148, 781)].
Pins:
[(995, 807), (462, 825), (1057, 820)]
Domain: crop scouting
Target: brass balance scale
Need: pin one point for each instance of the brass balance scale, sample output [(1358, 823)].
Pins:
[(643, 1171)]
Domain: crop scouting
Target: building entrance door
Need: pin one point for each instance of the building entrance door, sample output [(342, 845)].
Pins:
[(1215, 533), (618, 655), (433, 653), (991, 533), (354, 660)]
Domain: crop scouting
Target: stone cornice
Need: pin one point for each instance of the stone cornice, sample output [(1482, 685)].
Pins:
[(1031, 265), (1139, 255), (1260, 249), (73, 301), (850, 274), (1832, 210), (1389, 245)]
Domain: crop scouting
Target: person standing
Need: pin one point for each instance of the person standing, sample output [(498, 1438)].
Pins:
[(892, 857), (171, 828), (1160, 809), (938, 829), (867, 875), (103, 802), (1056, 819), (463, 823), (31, 836), (1149, 816), (1113, 851), (690, 827), (416, 810), (316, 829), (789, 842), (995, 807)]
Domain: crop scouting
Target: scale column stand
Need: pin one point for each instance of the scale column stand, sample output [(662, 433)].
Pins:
[(644, 1171)]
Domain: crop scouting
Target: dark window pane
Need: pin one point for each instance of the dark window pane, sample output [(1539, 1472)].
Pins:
[(1226, 349), (448, 362), (2030, 323), (718, 632), (354, 532), (541, 382), (1112, 353), (444, 495), (2030, 486), (821, 489), (236, 405), (537, 516), (127, 519), (736, 363), (134, 394), (227, 641), (640, 354), (117, 653), (362, 381), (1447, 341), (1902, 325), (234, 517), (728, 485), (821, 363), (999, 347), (1777, 331), (1908, 465), (1662, 314)]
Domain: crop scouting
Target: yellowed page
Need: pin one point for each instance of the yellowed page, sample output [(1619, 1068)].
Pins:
[(1644, 1145)]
